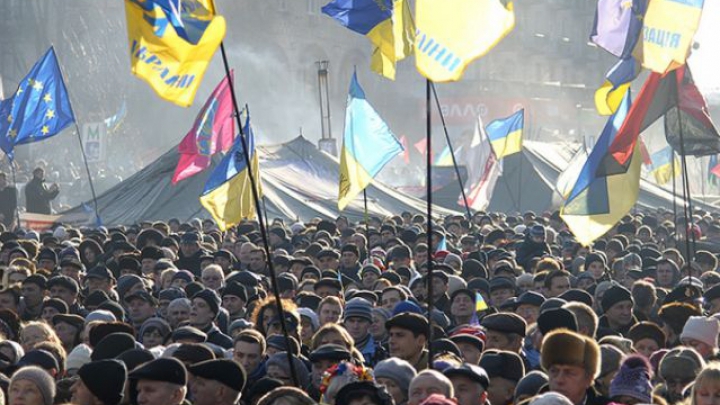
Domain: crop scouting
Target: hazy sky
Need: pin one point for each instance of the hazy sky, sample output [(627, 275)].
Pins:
[(705, 61)]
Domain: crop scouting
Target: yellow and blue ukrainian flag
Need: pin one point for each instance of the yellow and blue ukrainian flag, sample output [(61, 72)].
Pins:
[(171, 44), (505, 134), (39, 109), (387, 24), (662, 165), (598, 201), (228, 194), (368, 144)]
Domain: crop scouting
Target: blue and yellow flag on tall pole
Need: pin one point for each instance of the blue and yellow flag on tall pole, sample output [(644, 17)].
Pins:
[(597, 202), (228, 195), (505, 135), (453, 33), (368, 145), (387, 24), (171, 44), (662, 165), (39, 109)]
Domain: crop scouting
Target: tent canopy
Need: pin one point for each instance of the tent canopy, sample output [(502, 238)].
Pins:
[(299, 182)]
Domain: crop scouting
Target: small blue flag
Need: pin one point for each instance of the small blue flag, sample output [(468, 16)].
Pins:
[(39, 109)]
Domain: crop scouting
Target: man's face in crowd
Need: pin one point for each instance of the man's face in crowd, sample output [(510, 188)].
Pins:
[(249, 355), (502, 341), (470, 353), (348, 259), (500, 390), (223, 262), (529, 313), (357, 327), (462, 306), (189, 249), (329, 313), (439, 287), (389, 299), (63, 293), (328, 263), (326, 291), (140, 310), (177, 314), (318, 368), (46, 264), (664, 274), (421, 256), (467, 391), (32, 294), (256, 261), (95, 283), (7, 301), (233, 304), (66, 333), (81, 395), (71, 271), (200, 313), (558, 285), (620, 313), (646, 347), (147, 265), (212, 279), (369, 278), (48, 313), (421, 387), (159, 393), (570, 381), (500, 295), (206, 392), (404, 345)]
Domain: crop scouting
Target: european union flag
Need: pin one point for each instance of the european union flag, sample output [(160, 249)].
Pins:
[(39, 109)]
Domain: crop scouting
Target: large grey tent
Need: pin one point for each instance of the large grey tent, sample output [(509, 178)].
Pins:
[(299, 182)]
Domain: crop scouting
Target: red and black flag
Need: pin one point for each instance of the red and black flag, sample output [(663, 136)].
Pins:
[(690, 121)]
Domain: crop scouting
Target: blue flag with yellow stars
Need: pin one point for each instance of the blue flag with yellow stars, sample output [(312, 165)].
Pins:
[(39, 109)]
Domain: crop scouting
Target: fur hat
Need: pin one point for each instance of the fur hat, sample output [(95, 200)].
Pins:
[(682, 363), (565, 347)]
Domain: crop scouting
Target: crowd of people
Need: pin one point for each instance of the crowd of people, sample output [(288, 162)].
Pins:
[(514, 311)]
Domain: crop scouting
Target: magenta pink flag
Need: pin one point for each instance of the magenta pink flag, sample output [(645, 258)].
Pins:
[(212, 132)]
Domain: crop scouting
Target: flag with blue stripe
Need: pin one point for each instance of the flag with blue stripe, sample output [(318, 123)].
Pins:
[(505, 135), (368, 145), (228, 195)]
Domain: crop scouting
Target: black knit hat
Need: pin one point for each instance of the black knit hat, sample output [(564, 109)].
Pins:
[(224, 371), (105, 379), (211, 298), (614, 295)]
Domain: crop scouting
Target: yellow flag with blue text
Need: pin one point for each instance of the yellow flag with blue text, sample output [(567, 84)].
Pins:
[(228, 194), (387, 24), (171, 43), (368, 145), (668, 32), (505, 135), (453, 33)]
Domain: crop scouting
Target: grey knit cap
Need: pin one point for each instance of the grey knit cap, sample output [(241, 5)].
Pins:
[(41, 379), (397, 370)]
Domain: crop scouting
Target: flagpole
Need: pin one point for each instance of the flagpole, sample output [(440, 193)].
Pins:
[(98, 221), (428, 140), (674, 196), (256, 200), (366, 217), (452, 154), (686, 187)]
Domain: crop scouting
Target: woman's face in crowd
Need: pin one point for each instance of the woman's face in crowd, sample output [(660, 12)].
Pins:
[(707, 393), (31, 336), (25, 392)]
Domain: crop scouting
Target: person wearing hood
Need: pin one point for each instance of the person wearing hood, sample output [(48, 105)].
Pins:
[(533, 246)]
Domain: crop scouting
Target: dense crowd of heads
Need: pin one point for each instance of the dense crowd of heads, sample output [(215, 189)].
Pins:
[(514, 311)]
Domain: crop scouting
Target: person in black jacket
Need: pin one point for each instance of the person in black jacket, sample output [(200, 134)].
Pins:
[(38, 195), (533, 246), (8, 202)]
